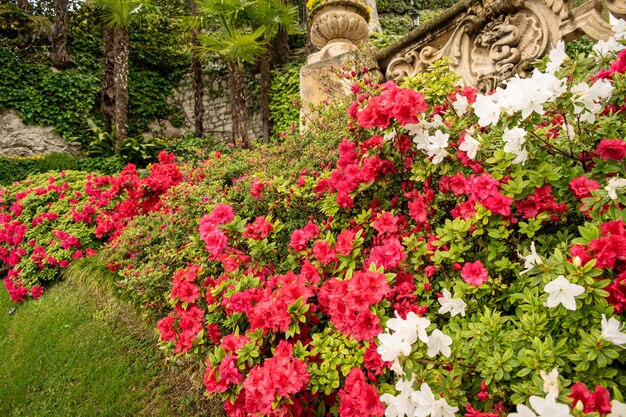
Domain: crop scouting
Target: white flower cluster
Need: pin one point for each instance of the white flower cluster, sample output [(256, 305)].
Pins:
[(612, 44), (529, 95), (432, 145), (614, 184), (406, 333), (412, 403), (531, 260), (525, 95)]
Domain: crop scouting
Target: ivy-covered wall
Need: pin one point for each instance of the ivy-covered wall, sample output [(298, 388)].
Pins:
[(65, 100), (395, 18)]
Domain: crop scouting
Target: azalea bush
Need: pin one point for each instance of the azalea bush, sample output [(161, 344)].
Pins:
[(49, 220), (41, 230), (154, 245), (465, 254)]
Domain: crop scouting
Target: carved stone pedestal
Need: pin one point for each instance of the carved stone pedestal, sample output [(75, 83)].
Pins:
[(337, 27)]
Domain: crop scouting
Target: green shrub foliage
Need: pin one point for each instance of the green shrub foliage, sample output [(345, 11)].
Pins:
[(18, 168)]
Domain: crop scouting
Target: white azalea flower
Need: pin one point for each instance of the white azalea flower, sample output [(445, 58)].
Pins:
[(460, 104), (411, 329), (434, 146), (548, 407), (514, 140), (611, 331), (406, 332), (451, 305), (609, 46), (613, 185), (402, 404), (487, 110), (424, 401), (438, 342), (469, 145), (531, 260), (523, 411), (556, 57), (392, 346), (618, 26), (591, 98), (443, 409), (563, 292), (550, 381), (618, 409), (391, 135)]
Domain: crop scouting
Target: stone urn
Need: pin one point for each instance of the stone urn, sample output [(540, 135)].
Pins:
[(338, 26)]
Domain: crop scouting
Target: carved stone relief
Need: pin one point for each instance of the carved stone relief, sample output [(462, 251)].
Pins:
[(495, 40)]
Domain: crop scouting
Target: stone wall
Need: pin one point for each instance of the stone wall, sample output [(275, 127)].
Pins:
[(217, 116), (18, 139)]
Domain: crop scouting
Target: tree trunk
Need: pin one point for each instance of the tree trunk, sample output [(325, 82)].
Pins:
[(236, 85), (120, 80), (58, 55), (107, 95), (198, 82), (266, 85), (280, 48)]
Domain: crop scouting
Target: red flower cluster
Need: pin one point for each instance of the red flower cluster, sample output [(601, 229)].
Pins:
[(609, 251), (611, 149), (127, 195), (214, 238), (300, 237), (183, 287), (258, 229), (402, 104), (358, 398), (541, 201), (279, 378), (583, 186), (474, 273), (271, 311), (348, 303), (353, 171), (598, 401), (190, 323), (482, 189)]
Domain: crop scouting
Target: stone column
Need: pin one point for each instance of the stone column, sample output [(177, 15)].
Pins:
[(337, 27)]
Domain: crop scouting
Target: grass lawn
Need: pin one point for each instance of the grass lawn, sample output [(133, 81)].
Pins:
[(79, 351)]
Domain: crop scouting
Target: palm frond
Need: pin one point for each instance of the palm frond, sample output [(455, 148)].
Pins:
[(274, 15), (123, 13), (235, 45)]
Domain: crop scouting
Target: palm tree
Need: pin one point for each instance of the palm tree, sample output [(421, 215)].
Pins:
[(275, 17), (198, 82), (107, 93), (234, 39), (58, 55), (118, 15)]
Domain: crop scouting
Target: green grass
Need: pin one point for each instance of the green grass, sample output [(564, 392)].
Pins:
[(79, 351)]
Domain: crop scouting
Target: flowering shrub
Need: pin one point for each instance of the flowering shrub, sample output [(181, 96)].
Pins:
[(462, 254), (119, 198), (39, 234), (49, 220)]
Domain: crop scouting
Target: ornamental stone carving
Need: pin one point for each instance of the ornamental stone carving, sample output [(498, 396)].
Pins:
[(337, 26), (489, 41)]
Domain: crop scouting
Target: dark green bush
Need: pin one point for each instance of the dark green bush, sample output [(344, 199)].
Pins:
[(18, 168)]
